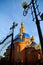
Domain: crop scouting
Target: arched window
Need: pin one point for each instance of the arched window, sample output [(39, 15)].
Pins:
[(39, 56), (18, 52), (18, 49)]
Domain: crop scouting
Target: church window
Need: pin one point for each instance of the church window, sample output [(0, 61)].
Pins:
[(18, 52), (18, 49), (39, 56), (28, 51)]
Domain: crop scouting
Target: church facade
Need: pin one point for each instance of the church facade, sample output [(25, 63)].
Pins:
[(25, 49)]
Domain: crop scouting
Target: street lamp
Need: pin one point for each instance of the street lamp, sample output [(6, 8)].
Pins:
[(25, 5), (35, 14)]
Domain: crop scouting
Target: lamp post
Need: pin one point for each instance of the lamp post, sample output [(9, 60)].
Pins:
[(12, 28), (33, 6)]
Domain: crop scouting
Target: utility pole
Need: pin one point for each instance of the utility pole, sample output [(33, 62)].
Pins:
[(38, 26), (35, 13), (12, 28)]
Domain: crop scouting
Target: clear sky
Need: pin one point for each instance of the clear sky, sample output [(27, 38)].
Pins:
[(10, 11)]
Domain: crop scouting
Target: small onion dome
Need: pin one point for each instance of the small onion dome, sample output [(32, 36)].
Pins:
[(24, 35), (32, 39)]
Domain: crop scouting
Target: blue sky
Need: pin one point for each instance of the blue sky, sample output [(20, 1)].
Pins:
[(10, 11)]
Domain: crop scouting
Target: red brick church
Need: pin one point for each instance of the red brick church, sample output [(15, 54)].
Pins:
[(25, 49)]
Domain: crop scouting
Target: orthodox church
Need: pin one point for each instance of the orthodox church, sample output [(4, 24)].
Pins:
[(25, 49)]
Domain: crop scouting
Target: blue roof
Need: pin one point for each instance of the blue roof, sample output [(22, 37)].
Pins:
[(33, 43), (17, 36), (19, 40), (25, 35)]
